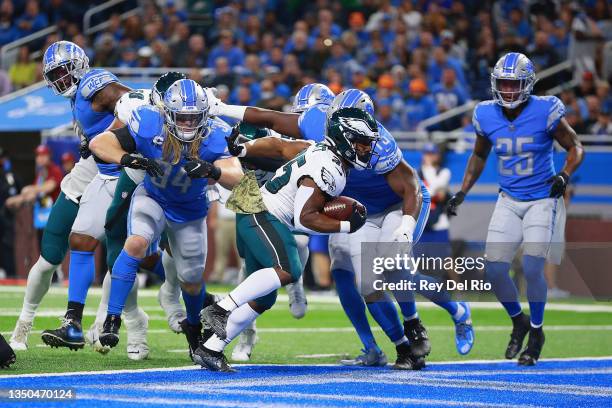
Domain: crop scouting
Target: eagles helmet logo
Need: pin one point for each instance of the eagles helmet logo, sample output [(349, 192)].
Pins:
[(358, 126)]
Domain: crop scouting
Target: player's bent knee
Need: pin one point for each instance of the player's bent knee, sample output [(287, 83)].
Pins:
[(136, 246), (82, 242), (373, 297), (53, 247), (264, 303), (192, 289)]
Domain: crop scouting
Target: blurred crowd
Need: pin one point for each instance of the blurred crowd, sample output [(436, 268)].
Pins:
[(416, 58)]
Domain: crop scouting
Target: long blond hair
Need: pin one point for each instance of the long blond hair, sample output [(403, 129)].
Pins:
[(173, 148)]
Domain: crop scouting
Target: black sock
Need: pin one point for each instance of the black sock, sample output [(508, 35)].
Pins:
[(75, 311), (518, 319)]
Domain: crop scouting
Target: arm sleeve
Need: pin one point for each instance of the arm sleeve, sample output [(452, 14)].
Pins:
[(126, 140)]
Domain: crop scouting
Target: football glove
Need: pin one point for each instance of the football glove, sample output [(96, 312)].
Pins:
[(152, 168), (196, 168), (405, 232), (558, 184), (454, 203), (357, 218), (234, 142), (84, 151)]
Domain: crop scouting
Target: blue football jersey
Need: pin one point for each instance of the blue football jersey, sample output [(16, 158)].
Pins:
[(368, 186), (524, 147), (182, 198), (93, 123)]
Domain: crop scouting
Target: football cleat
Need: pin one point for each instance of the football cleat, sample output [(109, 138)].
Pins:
[(69, 334), (246, 342), (19, 338), (406, 360), (110, 331), (369, 358), (531, 354), (213, 360), (93, 339), (193, 334), (7, 355), (417, 335), (464, 331), (136, 325), (169, 301), (520, 328), (215, 317), (297, 299)]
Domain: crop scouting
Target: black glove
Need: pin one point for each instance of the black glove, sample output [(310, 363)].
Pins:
[(454, 202), (558, 184), (234, 142), (152, 168), (84, 151), (358, 218), (196, 168), (7, 355)]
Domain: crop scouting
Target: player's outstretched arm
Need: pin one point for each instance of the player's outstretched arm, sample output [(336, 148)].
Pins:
[(106, 147), (567, 138), (270, 147), (308, 212), (404, 181), (281, 122)]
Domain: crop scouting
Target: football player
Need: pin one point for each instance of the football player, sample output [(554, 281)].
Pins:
[(391, 187), (292, 200), (66, 71), (181, 148), (521, 129)]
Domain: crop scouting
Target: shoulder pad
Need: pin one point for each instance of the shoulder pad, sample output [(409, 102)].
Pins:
[(555, 110), (478, 115), (95, 80), (389, 154), (129, 101), (146, 122)]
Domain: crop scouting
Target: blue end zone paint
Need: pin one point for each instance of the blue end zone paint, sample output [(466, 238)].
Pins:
[(550, 383)]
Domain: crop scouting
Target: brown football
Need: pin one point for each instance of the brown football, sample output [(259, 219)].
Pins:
[(340, 208)]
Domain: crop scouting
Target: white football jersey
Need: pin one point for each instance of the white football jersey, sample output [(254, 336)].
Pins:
[(74, 183), (316, 162), (123, 111)]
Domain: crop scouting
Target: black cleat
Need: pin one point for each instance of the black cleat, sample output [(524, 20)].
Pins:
[(69, 334), (110, 331), (193, 334), (7, 355), (531, 354), (406, 360), (215, 317), (520, 328), (417, 335), (212, 360)]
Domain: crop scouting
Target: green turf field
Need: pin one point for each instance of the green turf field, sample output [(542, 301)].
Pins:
[(323, 336)]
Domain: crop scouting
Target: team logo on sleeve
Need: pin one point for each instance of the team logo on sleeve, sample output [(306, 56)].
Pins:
[(328, 179)]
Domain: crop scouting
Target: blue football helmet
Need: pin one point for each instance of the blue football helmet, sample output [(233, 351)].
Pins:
[(186, 110), (310, 95), (512, 80), (351, 98), (64, 64)]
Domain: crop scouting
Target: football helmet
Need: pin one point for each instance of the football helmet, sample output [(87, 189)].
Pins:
[(64, 64), (512, 80), (162, 84), (349, 127), (351, 98), (310, 95), (186, 110)]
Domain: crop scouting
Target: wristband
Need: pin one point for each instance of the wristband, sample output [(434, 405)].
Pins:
[(345, 226), (232, 111), (408, 223)]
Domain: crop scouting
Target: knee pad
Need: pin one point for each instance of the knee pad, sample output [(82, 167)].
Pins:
[(266, 302)]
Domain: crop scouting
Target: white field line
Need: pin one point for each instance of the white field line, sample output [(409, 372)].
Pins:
[(333, 299)]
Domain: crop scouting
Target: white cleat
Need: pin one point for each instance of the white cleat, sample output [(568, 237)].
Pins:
[(92, 337), (137, 347), (297, 299), (244, 348), (170, 303), (19, 338)]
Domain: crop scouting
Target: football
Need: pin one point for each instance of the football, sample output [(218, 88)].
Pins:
[(340, 208)]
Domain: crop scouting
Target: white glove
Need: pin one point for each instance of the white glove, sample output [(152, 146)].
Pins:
[(215, 105), (405, 232)]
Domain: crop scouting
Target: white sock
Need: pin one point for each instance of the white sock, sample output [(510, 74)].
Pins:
[(258, 284), (39, 280), (238, 320), (131, 303), (459, 313), (403, 340), (103, 306)]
